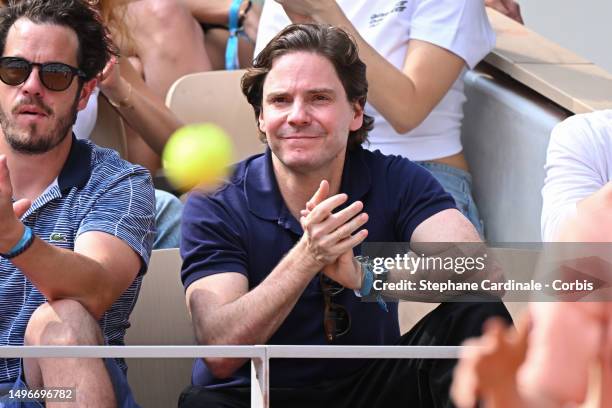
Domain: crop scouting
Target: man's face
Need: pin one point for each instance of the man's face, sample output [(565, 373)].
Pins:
[(305, 112), (35, 119)]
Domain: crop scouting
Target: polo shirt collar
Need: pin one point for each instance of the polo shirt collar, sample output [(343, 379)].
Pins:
[(356, 175), (77, 168), (264, 198), (262, 193)]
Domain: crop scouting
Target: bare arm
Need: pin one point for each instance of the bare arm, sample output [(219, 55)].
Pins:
[(95, 274), (404, 97), (446, 226), (99, 270), (256, 315), (139, 106)]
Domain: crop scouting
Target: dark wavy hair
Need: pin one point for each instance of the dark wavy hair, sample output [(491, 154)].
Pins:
[(328, 41), (95, 45)]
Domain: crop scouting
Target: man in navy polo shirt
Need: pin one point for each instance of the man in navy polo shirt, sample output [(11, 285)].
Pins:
[(77, 221), (254, 274)]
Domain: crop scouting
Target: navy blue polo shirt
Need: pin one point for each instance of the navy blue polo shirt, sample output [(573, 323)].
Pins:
[(246, 227)]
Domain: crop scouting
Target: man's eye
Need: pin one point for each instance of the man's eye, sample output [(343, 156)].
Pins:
[(321, 98), (279, 100)]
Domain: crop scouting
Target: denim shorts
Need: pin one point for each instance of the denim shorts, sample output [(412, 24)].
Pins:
[(168, 211), (124, 396), (458, 183)]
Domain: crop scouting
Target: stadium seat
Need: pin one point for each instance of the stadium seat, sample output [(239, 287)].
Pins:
[(160, 317), (216, 97)]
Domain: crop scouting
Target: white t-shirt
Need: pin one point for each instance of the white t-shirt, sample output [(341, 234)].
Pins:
[(86, 118), (460, 26), (578, 163)]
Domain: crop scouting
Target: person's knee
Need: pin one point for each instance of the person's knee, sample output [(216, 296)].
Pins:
[(164, 10), (63, 323), (157, 17)]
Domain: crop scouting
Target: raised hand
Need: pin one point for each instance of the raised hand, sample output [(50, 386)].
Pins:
[(112, 84), (331, 235), (10, 212), (488, 368)]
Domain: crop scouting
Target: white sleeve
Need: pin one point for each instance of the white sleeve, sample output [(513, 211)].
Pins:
[(86, 118), (272, 20), (576, 164), (460, 26)]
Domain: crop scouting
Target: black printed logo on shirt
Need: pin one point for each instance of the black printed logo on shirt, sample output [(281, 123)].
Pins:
[(377, 18)]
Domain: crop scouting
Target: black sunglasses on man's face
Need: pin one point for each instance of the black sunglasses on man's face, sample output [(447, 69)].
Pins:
[(55, 76)]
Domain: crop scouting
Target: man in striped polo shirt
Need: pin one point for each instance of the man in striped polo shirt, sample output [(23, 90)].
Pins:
[(77, 222)]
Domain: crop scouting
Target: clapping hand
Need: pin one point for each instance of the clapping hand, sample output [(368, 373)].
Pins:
[(332, 236)]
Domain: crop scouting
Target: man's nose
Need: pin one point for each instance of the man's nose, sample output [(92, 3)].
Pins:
[(33, 84), (299, 115)]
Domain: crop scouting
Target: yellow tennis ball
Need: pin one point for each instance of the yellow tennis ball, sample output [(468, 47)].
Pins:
[(197, 156)]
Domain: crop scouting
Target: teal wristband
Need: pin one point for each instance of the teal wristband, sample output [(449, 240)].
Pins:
[(367, 283), (24, 243), (368, 276), (231, 50)]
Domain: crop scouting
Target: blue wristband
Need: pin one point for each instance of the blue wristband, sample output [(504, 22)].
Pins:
[(231, 51), (24, 243), (367, 282)]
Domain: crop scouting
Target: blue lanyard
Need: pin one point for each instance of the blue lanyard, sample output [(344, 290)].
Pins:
[(231, 51)]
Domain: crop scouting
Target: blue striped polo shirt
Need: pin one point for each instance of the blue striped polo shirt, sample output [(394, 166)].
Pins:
[(95, 191)]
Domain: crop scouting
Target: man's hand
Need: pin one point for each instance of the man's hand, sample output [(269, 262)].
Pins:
[(344, 269), (112, 84), (488, 369), (10, 212), (509, 8)]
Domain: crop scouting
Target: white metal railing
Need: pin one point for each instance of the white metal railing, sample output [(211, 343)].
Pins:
[(260, 356)]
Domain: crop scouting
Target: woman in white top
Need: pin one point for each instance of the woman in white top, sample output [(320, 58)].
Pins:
[(416, 52)]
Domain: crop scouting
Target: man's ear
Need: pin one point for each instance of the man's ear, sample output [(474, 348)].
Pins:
[(357, 120), (86, 91)]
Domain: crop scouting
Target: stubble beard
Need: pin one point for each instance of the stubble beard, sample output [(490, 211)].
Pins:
[(27, 141)]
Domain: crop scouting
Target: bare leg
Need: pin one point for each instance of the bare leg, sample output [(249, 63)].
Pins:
[(216, 41), (67, 323), (168, 40)]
